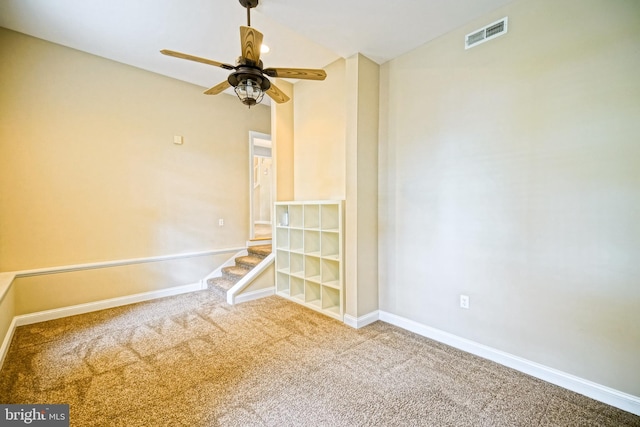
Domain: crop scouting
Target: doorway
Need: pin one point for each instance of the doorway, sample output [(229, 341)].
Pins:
[(261, 185)]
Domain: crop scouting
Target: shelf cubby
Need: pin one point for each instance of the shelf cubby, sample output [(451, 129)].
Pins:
[(331, 300), (282, 238), (296, 240), (330, 217), (296, 216), (312, 268), (312, 294), (282, 261), (297, 288), (311, 217), (330, 245), (296, 262), (330, 273), (282, 283), (282, 215), (312, 242)]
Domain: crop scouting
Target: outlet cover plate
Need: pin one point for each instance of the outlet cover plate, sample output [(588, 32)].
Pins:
[(464, 301)]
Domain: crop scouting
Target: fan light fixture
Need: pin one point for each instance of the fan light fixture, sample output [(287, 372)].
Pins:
[(249, 92), (249, 84)]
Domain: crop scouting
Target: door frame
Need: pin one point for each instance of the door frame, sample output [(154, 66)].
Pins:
[(253, 138)]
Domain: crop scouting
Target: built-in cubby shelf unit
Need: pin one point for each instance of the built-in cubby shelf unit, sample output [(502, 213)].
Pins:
[(309, 258)]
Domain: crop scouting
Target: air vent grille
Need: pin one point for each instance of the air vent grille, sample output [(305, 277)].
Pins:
[(487, 33), (475, 37), (495, 29)]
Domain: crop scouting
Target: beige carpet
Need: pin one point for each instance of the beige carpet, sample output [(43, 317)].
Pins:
[(192, 360)]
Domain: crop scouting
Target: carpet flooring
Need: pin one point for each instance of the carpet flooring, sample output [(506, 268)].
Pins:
[(192, 360)]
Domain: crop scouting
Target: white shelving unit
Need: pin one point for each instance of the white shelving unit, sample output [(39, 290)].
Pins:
[(309, 258)]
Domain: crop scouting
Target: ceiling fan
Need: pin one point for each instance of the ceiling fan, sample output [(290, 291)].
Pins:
[(249, 77)]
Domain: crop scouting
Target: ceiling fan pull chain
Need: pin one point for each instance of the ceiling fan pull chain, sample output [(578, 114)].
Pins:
[(248, 16)]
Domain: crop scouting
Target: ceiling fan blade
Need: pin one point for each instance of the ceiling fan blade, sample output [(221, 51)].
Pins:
[(251, 40), (296, 73), (218, 88), (276, 94), (196, 59)]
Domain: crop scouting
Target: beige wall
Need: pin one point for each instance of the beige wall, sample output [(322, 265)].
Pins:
[(89, 169), (514, 178), (319, 136)]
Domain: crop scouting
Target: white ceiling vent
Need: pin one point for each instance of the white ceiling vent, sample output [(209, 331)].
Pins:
[(491, 31)]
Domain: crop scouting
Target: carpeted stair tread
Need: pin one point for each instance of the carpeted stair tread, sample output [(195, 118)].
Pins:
[(221, 282), (235, 271), (260, 250), (220, 285), (248, 261)]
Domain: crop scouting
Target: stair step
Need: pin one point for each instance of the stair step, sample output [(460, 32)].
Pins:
[(220, 285), (260, 251), (248, 261), (234, 272)]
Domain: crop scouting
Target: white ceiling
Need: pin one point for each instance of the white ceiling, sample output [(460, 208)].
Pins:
[(301, 33)]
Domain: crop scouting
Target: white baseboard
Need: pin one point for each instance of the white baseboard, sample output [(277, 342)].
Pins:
[(253, 295), (43, 316), (362, 321), (624, 401)]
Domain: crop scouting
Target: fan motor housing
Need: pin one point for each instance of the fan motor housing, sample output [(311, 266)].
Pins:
[(254, 74)]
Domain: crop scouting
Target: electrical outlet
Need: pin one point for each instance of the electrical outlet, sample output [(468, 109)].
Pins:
[(220, 222), (464, 301)]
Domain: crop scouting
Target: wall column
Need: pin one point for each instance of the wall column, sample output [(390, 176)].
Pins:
[(361, 207)]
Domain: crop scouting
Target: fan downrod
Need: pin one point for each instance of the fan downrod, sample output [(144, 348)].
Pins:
[(249, 4)]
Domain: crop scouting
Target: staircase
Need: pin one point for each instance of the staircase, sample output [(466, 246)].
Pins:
[(231, 275)]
